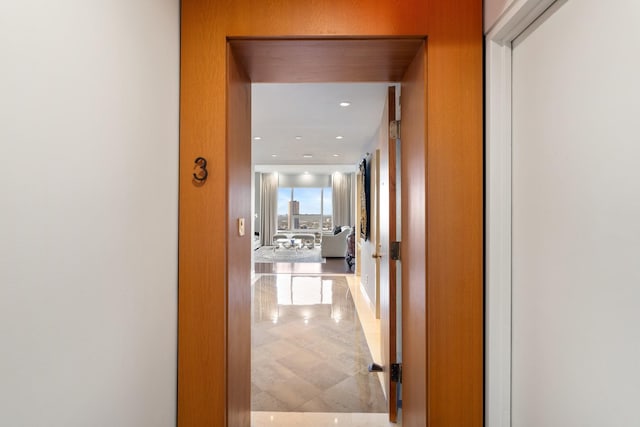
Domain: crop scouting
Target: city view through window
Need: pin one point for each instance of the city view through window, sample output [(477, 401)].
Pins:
[(305, 208)]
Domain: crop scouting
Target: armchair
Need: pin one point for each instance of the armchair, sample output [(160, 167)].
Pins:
[(335, 245)]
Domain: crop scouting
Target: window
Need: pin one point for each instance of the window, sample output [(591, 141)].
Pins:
[(285, 195), (304, 208)]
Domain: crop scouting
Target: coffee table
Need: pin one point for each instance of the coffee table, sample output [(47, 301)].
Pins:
[(288, 244)]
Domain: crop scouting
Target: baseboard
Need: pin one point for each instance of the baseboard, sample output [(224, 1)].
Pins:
[(366, 298)]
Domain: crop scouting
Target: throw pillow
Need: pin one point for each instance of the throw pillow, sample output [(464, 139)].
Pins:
[(337, 229)]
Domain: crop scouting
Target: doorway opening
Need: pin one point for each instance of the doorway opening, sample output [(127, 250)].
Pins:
[(260, 61), (314, 324)]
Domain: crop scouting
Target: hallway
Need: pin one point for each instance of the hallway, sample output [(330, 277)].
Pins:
[(321, 373), (126, 280)]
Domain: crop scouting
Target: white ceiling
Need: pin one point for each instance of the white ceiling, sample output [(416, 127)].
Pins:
[(280, 112)]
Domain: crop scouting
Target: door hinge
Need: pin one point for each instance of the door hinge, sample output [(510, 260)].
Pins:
[(395, 251), (396, 372), (394, 129)]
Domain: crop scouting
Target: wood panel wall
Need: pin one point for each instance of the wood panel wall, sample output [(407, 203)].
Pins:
[(452, 288), (413, 248), (239, 247), (454, 215)]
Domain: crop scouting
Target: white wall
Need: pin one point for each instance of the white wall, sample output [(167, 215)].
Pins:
[(576, 210), (369, 271), (88, 208)]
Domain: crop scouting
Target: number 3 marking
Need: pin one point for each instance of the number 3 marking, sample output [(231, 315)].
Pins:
[(203, 173)]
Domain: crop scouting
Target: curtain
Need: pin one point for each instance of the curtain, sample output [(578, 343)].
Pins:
[(268, 207), (341, 199)]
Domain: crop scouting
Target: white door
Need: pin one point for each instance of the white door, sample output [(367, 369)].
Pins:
[(576, 217)]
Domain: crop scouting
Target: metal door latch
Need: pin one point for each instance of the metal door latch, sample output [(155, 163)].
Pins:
[(394, 129), (395, 251), (396, 372)]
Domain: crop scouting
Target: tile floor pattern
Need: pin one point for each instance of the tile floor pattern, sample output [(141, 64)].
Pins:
[(309, 419), (309, 353)]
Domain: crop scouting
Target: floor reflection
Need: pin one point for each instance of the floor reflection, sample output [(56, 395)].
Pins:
[(309, 353), (285, 297)]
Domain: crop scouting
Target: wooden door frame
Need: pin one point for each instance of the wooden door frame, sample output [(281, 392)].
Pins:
[(388, 291), (452, 234), (520, 15)]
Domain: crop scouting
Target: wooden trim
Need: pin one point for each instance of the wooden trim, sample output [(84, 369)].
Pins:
[(392, 356), (202, 247), (321, 60), (239, 177), (451, 288), (454, 202), (414, 259)]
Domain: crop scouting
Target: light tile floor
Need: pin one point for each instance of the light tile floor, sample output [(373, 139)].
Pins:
[(309, 351), (371, 327), (318, 419)]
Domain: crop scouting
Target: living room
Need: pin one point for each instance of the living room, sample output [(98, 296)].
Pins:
[(306, 157), (315, 207), (310, 212)]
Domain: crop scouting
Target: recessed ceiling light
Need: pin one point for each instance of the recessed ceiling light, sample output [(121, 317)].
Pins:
[(345, 103), (307, 156), (336, 155), (298, 138), (274, 155), (339, 137), (257, 138)]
